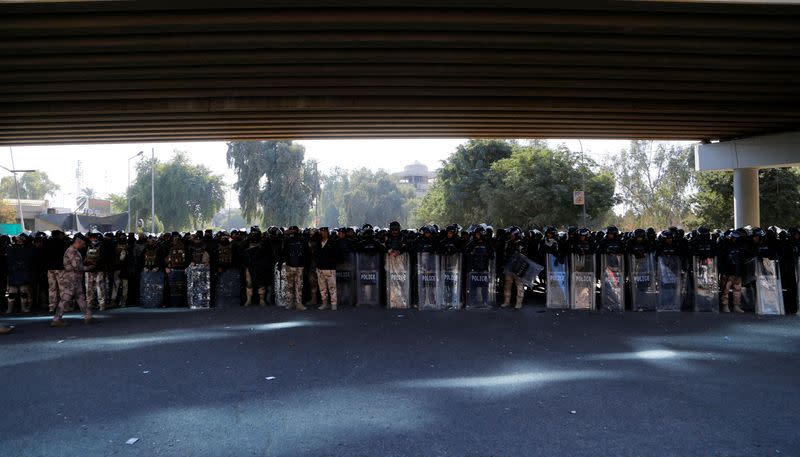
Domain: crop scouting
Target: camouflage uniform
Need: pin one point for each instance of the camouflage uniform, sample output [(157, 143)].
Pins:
[(96, 287), (327, 286), (70, 284)]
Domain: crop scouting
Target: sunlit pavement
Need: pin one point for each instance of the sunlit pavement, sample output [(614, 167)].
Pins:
[(369, 382)]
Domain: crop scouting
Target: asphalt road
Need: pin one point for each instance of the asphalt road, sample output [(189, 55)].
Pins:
[(370, 382)]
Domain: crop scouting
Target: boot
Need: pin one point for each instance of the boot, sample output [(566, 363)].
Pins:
[(725, 308), (249, 294), (737, 309), (58, 323), (323, 306), (262, 299), (300, 307), (333, 306), (6, 330)]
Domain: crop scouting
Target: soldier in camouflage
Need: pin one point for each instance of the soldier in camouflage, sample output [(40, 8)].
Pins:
[(70, 282)]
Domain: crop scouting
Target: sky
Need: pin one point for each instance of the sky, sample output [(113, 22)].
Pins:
[(104, 166)]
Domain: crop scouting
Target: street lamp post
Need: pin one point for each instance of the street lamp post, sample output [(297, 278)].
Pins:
[(153, 191), (128, 190), (16, 184)]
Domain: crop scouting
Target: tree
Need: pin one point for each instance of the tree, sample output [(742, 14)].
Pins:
[(8, 214), (226, 220), (655, 182), (455, 195), (87, 193), (32, 186), (779, 192), (187, 195), (363, 196), (119, 203), (275, 183), (534, 187)]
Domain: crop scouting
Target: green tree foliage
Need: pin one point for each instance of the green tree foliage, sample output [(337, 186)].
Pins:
[(32, 186), (654, 181), (233, 219), (456, 195), (505, 183), (187, 195), (275, 184), (8, 214), (779, 191), (534, 187), (119, 203), (361, 196)]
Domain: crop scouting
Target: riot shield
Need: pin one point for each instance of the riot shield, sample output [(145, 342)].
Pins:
[(282, 293), (523, 268), (151, 289), (582, 281), (228, 293), (769, 291), (177, 287), (797, 281), (612, 282), (398, 279), (642, 275), (428, 280), (369, 279), (705, 284), (670, 284), (345, 281), (481, 288), (448, 293), (557, 286), (198, 286)]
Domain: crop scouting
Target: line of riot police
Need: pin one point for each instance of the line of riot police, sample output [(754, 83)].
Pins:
[(430, 268)]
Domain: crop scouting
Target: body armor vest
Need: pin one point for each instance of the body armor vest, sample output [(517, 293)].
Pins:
[(197, 255), (225, 255), (93, 254), (150, 258), (176, 259)]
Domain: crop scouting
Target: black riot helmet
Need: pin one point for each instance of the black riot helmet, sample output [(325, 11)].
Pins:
[(612, 230), (394, 226), (703, 233), (639, 233), (584, 232)]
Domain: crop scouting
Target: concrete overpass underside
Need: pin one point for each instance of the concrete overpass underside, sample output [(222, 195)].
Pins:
[(84, 72)]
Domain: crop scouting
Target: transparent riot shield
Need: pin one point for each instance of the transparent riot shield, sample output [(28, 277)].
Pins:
[(151, 289), (523, 268), (582, 281), (282, 292), (369, 279), (642, 275), (198, 286), (670, 284), (177, 287), (345, 281), (398, 281), (769, 291), (228, 293), (612, 282), (557, 286), (705, 284), (797, 281), (481, 287), (428, 280), (448, 293)]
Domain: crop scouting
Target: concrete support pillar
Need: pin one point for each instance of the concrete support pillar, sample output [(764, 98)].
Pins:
[(746, 209)]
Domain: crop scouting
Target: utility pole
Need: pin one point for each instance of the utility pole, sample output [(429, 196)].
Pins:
[(14, 172), (153, 191)]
